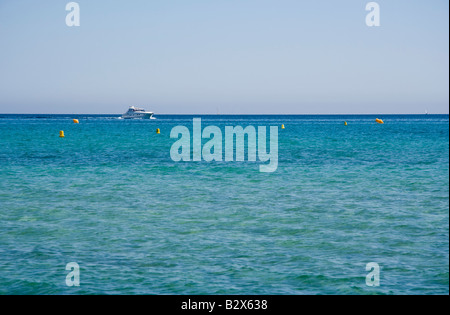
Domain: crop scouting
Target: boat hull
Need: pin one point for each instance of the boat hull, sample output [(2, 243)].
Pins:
[(138, 116)]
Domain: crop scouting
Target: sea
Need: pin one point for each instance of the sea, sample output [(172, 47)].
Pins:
[(109, 198)]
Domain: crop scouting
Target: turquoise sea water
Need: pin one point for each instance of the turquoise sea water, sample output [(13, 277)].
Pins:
[(109, 197)]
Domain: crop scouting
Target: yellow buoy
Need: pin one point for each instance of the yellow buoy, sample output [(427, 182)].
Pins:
[(158, 131), (345, 123), (61, 134), (379, 121), (76, 121), (282, 126)]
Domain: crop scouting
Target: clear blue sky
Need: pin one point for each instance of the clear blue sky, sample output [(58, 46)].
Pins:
[(227, 56)]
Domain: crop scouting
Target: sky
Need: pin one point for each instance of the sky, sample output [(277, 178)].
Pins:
[(224, 56)]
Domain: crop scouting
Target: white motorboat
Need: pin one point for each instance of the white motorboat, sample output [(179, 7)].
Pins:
[(137, 113)]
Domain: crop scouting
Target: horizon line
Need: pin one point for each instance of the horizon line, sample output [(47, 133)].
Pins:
[(211, 114)]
